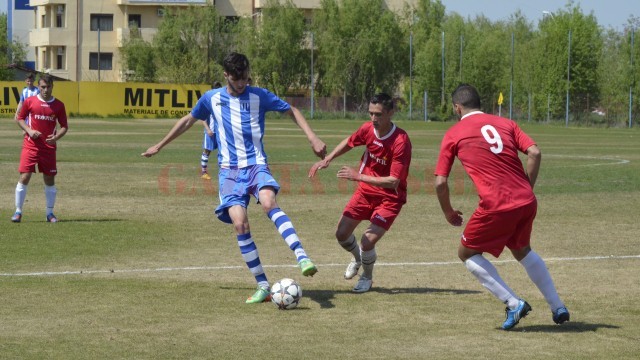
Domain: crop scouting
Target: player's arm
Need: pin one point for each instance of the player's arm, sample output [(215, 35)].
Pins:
[(342, 148), (318, 146), (18, 108), (182, 125), (207, 128), (452, 215), (387, 182), (534, 157), (57, 135)]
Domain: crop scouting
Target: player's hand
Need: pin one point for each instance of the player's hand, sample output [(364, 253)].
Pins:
[(209, 132), (322, 164), (348, 173), (34, 134), (51, 139), (454, 218), (151, 151), (319, 148)]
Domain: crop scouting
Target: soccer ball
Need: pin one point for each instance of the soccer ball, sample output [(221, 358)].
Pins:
[(286, 294)]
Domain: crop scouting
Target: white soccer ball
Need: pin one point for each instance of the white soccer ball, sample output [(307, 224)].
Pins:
[(286, 294)]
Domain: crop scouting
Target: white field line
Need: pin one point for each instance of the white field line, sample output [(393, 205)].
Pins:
[(614, 161), (238, 267)]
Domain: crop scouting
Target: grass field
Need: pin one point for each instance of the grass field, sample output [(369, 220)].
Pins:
[(139, 268)]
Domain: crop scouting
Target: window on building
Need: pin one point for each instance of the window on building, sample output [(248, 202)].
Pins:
[(135, 21), (102, 62), (59, 16), (104, 22), (60, 63), (43, 21)]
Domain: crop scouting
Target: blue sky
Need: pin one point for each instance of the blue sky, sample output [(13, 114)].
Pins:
[(610, 13)]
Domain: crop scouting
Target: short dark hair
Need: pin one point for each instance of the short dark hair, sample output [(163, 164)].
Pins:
[(235, 64), (467, 96), (30, 76), (384, 99), (46, 78)]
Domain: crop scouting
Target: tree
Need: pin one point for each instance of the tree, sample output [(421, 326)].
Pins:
[(362, 49), (279, 50), (12, 52), (188, 43), (139, 59)]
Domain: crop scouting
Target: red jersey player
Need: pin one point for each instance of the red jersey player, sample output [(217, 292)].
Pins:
[(382, 185), (44, 113), (488, 146)]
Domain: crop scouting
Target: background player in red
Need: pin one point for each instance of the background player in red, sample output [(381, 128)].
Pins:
[(44, 113), (382, 185), (487, 146)]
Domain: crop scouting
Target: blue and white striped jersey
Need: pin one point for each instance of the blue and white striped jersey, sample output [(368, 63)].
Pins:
[(239, 123), (26, 92)]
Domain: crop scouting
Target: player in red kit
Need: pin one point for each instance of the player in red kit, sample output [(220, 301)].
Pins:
[(488, 147), (44, 113), (382, 186)]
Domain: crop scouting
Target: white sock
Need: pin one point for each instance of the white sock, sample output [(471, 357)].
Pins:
[(21, 194), (368, 260), (50, 194), (488, 276), (538, 273), (351, 245)]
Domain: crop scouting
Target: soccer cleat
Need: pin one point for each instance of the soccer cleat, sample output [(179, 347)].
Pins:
[(205, 175), (513, 316), (561, 315), (307, 267), (52, 218), (17, 217), (261, 295), (363, 285), (352, 269)]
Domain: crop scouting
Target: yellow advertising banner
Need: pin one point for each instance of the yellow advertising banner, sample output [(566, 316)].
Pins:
[(138, 100), (65, 91)]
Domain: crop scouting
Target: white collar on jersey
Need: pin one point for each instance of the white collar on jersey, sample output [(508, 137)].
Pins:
[(393, 128), (471, 113)]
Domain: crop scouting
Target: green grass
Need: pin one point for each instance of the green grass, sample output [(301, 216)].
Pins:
[(139, 268)]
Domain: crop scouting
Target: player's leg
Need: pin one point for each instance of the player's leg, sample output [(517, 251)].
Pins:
[(368, 256), (204, 160), (539, 275), (27, 166), (21, 195), (346, 239), (50, 193), (249, 251), (282, 222), (536, 268)]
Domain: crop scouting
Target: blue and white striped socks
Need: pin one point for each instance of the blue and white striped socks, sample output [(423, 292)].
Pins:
[(288, 232), (250, 255)]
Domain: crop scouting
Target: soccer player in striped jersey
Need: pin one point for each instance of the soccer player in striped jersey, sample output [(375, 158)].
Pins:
[(382, 186), (28, 91), (487, 147), (238, 111)]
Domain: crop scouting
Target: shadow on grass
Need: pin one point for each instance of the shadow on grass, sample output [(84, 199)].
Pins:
[(324, 297), (568, 327)]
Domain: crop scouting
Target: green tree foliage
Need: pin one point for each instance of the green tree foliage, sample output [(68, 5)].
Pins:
[(139, 58), (189, 43), (12, 52), (279, 50), (361, 48)]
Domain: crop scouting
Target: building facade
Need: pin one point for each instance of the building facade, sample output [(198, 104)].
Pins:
[(79, 40)]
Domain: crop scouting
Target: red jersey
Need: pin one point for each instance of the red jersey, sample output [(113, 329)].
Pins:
[(487, 147), (43, 116), (386, 156)]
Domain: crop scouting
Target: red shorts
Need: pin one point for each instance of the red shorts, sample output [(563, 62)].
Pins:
[(45, 159), (491, 232), (380, 211)]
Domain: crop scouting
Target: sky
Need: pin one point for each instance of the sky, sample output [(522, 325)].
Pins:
[(610, 13)]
